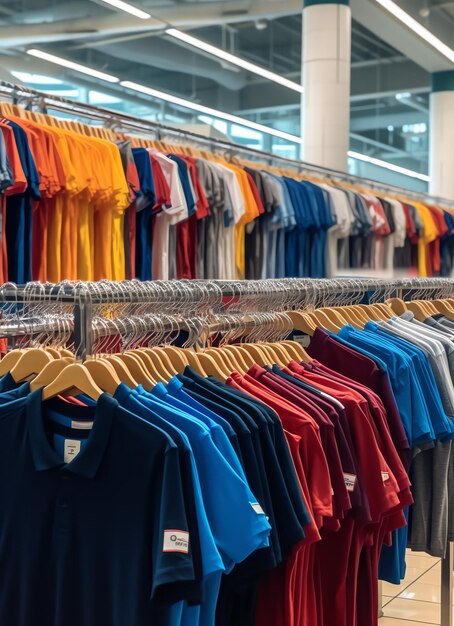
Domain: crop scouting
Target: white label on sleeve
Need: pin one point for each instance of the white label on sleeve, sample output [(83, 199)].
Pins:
[(385, 476), (176, 541), (72, 449), (350, 481), (257, 508), (81, 425)]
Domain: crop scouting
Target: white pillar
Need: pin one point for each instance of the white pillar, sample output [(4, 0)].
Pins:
[(441, 160), (325, 106)]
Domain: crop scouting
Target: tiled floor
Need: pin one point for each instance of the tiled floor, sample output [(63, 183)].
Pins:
[(416, 601)]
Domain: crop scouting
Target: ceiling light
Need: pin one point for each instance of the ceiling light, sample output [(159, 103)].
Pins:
[(45, 56), (388, 166), (128, 8), (36, 79), (235, 60), (188, 104), (417, 28)]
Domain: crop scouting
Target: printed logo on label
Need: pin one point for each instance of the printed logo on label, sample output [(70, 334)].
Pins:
[(350, 481), (72, 449), (81, 425), (176, 541), (257, 508), (385, 476)]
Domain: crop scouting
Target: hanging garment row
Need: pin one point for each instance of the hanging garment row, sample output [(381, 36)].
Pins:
[(83, 202), (242, 483)]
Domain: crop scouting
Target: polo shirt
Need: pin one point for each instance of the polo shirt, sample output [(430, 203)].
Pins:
[(341, 500), (404, 379), (345, 449), (291, 514), (381, 485), (311, 452), (19, 213), (92, 526), (251, 530), (369, 370), (144, 204), (253, 463), (173, 394)]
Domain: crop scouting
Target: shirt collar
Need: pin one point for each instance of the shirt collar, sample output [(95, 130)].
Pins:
[(89, 459)]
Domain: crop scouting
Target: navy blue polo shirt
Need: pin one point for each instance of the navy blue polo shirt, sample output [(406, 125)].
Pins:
[(19, 213), (100, 539), (144, 214)]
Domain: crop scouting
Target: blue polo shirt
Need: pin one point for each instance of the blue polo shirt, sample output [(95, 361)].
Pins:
[(144, 207), (19, 213), (409, 398), (97, 540), (237, 541), (217, 432)]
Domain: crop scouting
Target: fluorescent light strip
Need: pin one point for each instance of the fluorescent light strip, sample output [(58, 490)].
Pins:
[(45, 56), (235, 60), (160, 95), (417, 28), (388, 166), (128, 8), (154, 93)]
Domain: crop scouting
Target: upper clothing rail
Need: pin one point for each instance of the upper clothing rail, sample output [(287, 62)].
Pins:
[(121, 121)]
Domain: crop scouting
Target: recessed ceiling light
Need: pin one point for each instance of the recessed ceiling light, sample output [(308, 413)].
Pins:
[(77, 67), (195, 106), (128, 8), (234, 59), (417, 28)]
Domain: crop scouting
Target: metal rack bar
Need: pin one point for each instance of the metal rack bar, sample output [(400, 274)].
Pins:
[(124, 121)]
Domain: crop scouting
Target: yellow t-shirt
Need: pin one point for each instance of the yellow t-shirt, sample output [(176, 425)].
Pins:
[(430, 233)]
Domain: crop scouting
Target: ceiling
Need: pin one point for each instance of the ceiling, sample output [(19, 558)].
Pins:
[(390, 66)]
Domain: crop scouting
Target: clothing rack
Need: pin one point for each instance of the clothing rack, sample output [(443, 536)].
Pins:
[(190, 298), (203, 299), (118, 121)]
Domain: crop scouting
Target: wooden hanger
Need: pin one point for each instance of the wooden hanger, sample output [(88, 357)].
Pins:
[(299, 352), (277, 353), (53, 352), (322, 320), (242, 357), (122, 371), (9, 361), (152, 364), (194, 362), (212, 367), (398, 305), (137, 369), (223, 358), (418, 310), (302, 322), (335, 314), (49, 373), (257, 353), (175, 358), (234, 358), (30, 364), (73, 380), (444, 307), (104, 374)]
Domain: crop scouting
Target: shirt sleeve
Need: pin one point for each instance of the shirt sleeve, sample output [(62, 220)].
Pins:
[(173, 567)]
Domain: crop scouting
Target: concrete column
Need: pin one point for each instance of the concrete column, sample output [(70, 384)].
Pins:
[(441, 160), (325, 107)]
